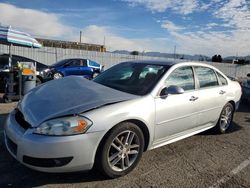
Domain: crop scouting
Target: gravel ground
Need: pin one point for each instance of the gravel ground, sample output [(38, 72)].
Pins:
[(203, 160)]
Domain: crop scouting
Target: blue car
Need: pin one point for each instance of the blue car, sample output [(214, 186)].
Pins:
[(77, 66), (245, 85)]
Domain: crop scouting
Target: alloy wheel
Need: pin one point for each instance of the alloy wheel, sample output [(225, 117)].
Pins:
[(123, 151), (226, 118), (57, 76)]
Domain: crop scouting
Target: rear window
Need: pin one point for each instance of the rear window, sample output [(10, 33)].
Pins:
[(222, 79), (93, 64), (206, 77)]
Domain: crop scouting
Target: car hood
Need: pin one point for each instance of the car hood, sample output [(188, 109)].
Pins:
[(67, 96)]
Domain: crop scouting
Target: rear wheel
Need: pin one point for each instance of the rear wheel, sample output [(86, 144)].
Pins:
[(95, 74), (121, 151), (226, 118), (38, 81)]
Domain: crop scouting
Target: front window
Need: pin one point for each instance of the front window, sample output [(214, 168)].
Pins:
[(74, 63), (182, 77), (60, 63), (134, 78)]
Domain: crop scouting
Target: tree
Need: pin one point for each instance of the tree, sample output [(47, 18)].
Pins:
[(134, 53), (217, 58), (214, 58)]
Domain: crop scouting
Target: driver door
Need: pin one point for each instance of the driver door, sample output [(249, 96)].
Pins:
[(73, 67), (177, 112)]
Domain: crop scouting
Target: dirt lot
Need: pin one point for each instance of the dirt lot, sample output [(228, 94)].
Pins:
[(204, 160)]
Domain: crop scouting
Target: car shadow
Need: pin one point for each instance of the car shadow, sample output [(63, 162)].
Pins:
[(40, 179), (17, 175), (2, 120), (234, 128), (1, 100), (247, 119), (244, 107)]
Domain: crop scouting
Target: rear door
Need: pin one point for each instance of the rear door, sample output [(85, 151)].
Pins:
[(84, 69), (212, 95)]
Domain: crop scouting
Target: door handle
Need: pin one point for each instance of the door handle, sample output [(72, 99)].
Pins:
[(193, 98), (222, 92)]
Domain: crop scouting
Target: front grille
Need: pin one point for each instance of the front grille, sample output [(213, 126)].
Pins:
[(11, 145), (21, 121)]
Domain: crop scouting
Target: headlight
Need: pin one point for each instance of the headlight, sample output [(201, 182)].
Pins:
[(64, 126)]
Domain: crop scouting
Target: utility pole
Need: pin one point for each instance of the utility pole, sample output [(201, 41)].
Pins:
[(174, 51), (104, 41), (80, 36)]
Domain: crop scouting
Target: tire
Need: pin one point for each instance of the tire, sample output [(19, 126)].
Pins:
[(57, 75), (121, 150), (6, 99), (95, 75), (226, 119), (38, 81)]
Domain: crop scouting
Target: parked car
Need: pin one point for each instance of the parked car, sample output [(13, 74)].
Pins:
[(4, 68), (76, 66), (245, 84), (72, 124)]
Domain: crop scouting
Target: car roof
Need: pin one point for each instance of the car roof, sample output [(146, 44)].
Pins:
[(172, 62), (155, 62), (168, 62)]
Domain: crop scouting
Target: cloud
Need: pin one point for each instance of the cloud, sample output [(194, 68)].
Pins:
[(38, 23), (230, 37), (210, 43), (170, 26), (236, 13), (179, 6), (211, 25), (97, 34), (50, 25)]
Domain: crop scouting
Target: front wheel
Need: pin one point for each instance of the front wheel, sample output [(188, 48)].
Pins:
[(57, 75), (226, 118), (121, 151)]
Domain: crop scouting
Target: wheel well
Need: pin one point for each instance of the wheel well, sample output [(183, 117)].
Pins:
[(40, 78), (232, 103), (144, 129), (139, 123)]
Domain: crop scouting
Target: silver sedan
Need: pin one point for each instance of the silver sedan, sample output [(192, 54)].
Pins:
[(74, 124)]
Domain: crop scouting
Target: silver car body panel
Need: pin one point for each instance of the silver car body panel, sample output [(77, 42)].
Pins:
[(167, 119), (72, 95), (82, 147)]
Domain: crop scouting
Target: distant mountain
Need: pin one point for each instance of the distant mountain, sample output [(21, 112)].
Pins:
[(239, 57), (169, 55), (196, 57), (121, 52)]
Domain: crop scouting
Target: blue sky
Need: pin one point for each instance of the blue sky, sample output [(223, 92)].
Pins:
[(193, 26)]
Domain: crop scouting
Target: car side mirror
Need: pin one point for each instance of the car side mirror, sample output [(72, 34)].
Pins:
[(173, 90), (248, 75)]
